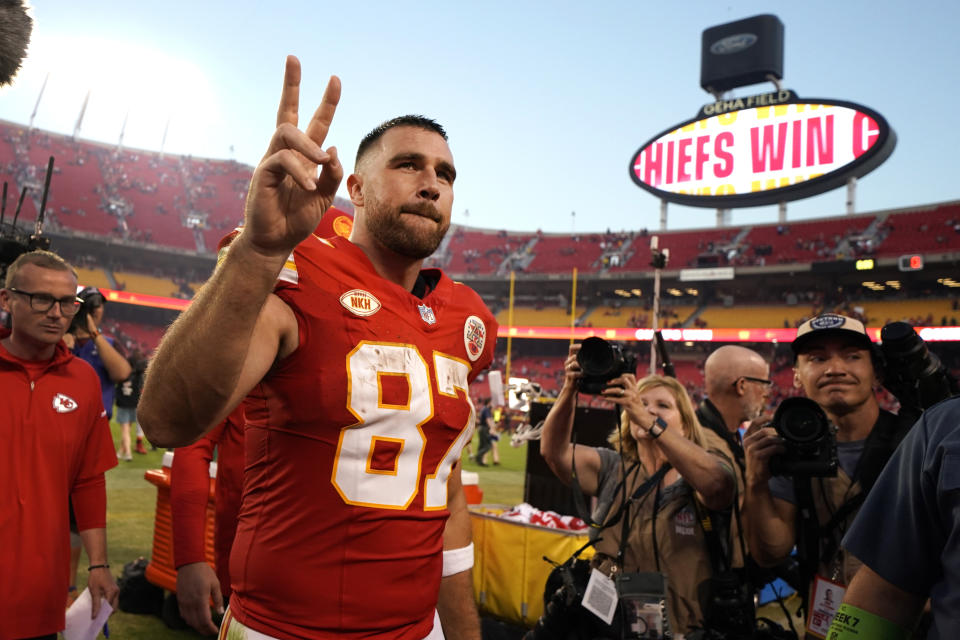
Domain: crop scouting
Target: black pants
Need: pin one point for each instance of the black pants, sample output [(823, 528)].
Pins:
[(485, 443)]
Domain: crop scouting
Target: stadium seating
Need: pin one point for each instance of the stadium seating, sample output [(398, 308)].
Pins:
[(805, 241), (93, 278), (930, 229), (685, 247), (144, 337), (162, 191), (542, 317), (635, 316), (478, 252), (559, 254), (918, 312), (754, 316), (151, 285)]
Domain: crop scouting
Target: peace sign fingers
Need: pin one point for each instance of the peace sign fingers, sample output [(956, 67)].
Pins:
[(288, 111), (320, 122)]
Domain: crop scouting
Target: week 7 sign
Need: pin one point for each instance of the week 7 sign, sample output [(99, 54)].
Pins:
[(761, 150)]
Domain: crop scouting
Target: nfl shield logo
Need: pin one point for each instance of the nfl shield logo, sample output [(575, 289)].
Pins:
[(426, 313)]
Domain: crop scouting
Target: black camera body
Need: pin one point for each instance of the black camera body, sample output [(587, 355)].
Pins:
[(913, 374), (92, 298), (808, 437), (601, 362)]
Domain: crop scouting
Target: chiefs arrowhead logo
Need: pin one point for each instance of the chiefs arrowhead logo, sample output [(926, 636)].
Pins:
[(64, 403), (360, 302)]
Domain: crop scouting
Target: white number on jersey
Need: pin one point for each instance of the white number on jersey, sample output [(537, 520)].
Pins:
[(397, 426)]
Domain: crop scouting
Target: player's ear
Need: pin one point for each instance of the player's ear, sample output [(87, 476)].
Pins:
[(355, 189), (796, 379)]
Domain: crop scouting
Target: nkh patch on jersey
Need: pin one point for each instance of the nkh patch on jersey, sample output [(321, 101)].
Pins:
[(360, 302), (474, 337)]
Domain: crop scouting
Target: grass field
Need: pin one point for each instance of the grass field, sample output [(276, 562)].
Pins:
[(131, 502)]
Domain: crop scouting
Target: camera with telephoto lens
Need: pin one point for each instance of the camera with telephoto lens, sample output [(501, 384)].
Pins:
[(911, 373), (808, 437), (601, 362)]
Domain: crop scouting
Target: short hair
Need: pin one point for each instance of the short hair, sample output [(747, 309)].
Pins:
[(420, 122), (623, 440), (40, 258)]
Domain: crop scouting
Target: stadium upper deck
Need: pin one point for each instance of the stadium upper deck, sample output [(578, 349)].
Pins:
[(186, 204)]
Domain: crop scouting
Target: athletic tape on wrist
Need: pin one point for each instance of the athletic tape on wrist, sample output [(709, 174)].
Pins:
[(853, 623), (457, 560)]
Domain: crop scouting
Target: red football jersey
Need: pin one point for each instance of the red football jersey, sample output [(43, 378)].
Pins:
[(349, 444)]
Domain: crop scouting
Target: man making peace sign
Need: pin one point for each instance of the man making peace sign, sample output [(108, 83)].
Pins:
[(357, 364)]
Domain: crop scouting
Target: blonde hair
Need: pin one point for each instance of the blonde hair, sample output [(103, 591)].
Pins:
[(623, 440), (40, 258)]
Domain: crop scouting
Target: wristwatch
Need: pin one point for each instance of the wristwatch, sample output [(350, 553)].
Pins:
[(658, 427)]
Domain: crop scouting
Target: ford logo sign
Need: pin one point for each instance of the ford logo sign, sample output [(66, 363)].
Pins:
[(733, 44)]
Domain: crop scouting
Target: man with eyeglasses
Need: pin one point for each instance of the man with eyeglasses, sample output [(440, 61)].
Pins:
[(56, 446), (737, 382), (834, 366)]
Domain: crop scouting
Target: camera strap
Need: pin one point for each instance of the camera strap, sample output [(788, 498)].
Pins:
[(719, 561), (624, 517), (880, 445), (808, 537), (883, 440)]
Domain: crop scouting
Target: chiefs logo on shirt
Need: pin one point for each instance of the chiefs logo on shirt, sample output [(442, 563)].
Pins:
[(64, 404)]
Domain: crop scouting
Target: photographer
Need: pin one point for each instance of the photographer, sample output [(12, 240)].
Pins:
[(737, 382), (916, 505), (659, 438), (835, 367), (97, 349), (85, 341)]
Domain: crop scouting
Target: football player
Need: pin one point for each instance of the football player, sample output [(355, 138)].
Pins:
[(356, 362)]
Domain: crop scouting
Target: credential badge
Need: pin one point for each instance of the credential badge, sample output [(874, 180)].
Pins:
[(474, 337)]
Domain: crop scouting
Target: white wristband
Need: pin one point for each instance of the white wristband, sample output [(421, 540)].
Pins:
[(457, 560)]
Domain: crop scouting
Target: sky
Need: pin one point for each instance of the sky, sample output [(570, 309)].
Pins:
[(545, 102)]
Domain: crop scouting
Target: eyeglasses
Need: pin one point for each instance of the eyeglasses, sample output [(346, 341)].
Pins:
[(43, 302), (762, 381)]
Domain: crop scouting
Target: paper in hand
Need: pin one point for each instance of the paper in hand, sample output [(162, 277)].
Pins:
[(79, 624)]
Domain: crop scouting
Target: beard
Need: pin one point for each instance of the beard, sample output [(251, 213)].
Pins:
[(386, 224)]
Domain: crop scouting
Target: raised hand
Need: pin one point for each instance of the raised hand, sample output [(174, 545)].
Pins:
[(760, 443), (622, 391), (287, 197), (571, 367)]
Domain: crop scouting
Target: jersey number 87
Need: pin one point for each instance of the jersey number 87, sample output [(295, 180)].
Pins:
[(354, 477)]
